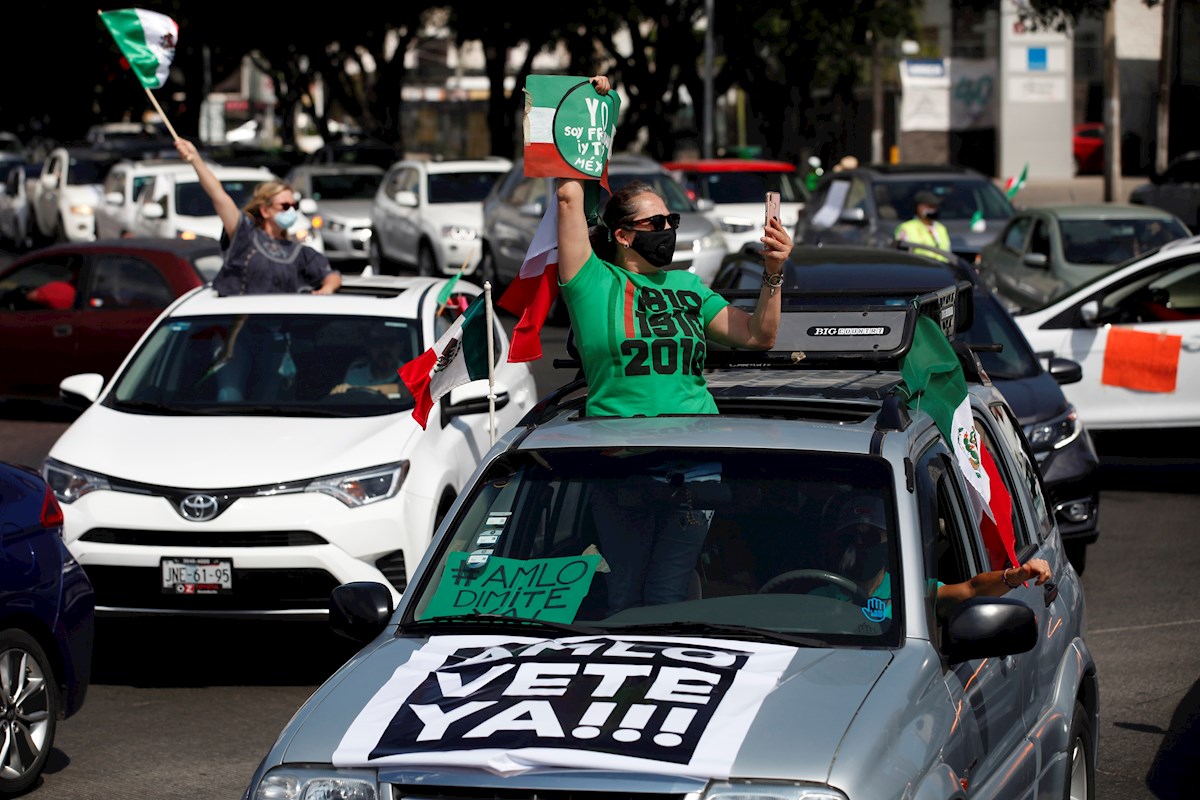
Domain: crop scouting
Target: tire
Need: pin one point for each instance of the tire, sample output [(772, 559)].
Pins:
[(1077, 555), (1081, 758), (29, 695), (380, 264), (487, 271), (426, 261)]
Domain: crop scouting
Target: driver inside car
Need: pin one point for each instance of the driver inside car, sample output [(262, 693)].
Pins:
[(377, 369)]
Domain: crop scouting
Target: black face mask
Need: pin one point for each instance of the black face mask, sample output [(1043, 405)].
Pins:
[(863, 563), (657, 247), (931, 214)]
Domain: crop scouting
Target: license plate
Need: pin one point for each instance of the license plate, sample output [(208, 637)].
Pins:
[(197, 575)]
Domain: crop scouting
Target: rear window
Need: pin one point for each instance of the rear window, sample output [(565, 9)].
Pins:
[(961, 198), (749, 187), (1114, 241), (461, 187)]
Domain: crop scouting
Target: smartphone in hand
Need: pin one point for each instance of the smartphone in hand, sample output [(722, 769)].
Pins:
[(772, 207)]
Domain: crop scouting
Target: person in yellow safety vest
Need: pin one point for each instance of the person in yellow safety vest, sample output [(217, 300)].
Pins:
[(924, 229)]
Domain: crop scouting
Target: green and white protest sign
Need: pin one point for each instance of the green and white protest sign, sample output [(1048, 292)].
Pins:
[(568, 127)]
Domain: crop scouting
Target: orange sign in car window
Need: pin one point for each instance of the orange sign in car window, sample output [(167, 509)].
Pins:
[(1147, 362)]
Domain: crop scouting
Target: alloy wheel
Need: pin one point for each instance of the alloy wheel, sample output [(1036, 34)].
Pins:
[(1079, 771), (28, 714)]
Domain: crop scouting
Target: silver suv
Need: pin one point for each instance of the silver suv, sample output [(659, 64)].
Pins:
[(732, 649)]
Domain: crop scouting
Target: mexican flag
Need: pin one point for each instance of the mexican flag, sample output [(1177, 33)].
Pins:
[(533, 292), (568, 127), (459, 356), (147, 40), (1014, 183), (933, 382)]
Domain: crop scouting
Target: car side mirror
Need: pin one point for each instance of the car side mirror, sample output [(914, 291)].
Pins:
[(853, 216), (80, 391), (407, 199), (989, 627), (308, 206), (1036, 260), (152, 211), (703, 204), (1065, 371), (114, 199), (49, 180), (360, 610), (471, 398), (1089, 313), (532, 210)]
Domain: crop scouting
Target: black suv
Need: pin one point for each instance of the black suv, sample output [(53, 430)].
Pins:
[(841, 275), (863, 206)]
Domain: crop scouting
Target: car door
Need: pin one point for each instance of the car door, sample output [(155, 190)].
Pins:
[(395, 201), (991, 733), (38, 311), (1162, 301), (122, 295), (515, 217), (159, 193), (46, 199)]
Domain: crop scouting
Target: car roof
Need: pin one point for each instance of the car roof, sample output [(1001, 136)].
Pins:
[(337, 169), (1101, 211), (497, 165), (156, 165), (371, 296), (730, 165), (230, 173), (91, 153)]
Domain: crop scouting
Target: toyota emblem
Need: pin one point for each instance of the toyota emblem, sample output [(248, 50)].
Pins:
[(198, 507)]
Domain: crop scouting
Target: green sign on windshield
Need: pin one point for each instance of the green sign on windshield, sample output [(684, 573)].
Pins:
[(543, 588)]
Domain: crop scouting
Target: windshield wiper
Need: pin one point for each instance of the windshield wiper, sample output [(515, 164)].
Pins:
[(720, 628), (491, 620), (272, 411), (151, 407)]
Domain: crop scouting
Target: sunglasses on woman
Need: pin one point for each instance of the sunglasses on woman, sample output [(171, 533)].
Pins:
[(657, 222), (287, 206)]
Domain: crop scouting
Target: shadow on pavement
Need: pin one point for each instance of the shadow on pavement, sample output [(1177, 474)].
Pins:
[(1149, 460), (1175, 773), (33, 411), (191, 653)]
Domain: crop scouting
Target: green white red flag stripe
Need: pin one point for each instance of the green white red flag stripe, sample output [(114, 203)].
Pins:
[(147, 39), (1015, 182), (459, 356), (534, 290)]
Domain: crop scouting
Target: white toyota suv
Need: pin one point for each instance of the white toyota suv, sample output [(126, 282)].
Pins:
[(254, 452)]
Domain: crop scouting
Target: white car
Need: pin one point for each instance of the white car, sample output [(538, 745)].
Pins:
[(253, 485), (65, 195), (122, 187), (15, 222), (1136, 332), (175, 205), (429, 214), (343, 194)]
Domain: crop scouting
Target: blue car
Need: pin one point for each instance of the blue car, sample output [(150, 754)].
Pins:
[(47, 622)]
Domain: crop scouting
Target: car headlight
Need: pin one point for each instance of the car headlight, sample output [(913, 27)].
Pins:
[(71, 483), (712, 241), (1054, 433), (755, 790), (363, 487), (83, 210), (459, 232), (316, 784), (736, 224)]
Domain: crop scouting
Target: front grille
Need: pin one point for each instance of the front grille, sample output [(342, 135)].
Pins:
[(202, 538), (392, 567), (253, 590), (425, 792)]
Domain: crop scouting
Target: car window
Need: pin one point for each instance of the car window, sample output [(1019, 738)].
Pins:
[(530, 190), (1185, 170), (115, 181), (270, 364), (1168, 292), (13, 182), (460, 187), (83, 171), (831, 203), (192, 201), (1027, 472), (1022, 535), (348, 186), (122, 281), (1039, 242), (756, 548), (746, 187), (1018, 230), (140, 182), (49, 283), (1115, 241), (994, 325), (950, 550), (961, 198), (670, 190)]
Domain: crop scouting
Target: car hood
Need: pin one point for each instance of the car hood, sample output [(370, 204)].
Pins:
[(694, 225), (221, 452), (346, 209), (823, 688), (1034, 399), (789, 212), (460, 214), (82, 193)]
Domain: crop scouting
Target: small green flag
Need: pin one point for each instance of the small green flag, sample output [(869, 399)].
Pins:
[(444, 295), (977, 223), (1013, 185)]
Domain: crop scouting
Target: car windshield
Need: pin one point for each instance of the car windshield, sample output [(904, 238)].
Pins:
[(994, 325), (961, 198), (1115, 241), (192, 201), (461, 187), (672, 540), (346, 186), (270, 365), (749, 187), (670, 190), (84, 170)]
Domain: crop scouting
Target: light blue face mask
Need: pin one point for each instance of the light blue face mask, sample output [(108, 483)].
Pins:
[(287, 218)]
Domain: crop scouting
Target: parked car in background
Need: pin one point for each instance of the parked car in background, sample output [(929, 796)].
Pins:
[(737, 189), (66, 193), (1088, 147), (47, 626), (132, 139), (117, 211), (1045, 252), (73, 308), (15, 214), (864, 205), (835, 276), (302, 469), (516, 205), (510, 668), (11, 145), (1136, 331), (174, 205), (428, 214), (343, 195), (1176, 191)]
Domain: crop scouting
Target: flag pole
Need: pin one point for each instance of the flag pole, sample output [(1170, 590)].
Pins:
[(162, 113), (487, 291)]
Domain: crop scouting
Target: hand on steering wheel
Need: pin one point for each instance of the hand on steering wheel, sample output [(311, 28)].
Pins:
[(342, 388), (782, 582)]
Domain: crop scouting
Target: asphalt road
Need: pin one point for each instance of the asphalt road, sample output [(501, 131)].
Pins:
[(185, 710)]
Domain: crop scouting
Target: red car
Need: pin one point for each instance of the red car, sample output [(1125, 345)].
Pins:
[(1089, 148), (74, 308)]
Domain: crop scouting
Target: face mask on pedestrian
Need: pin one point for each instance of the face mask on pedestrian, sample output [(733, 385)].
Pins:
[(286, 218), (657, 247), (929, 212)]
